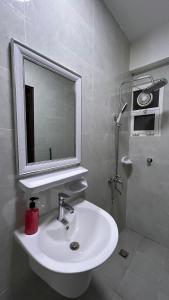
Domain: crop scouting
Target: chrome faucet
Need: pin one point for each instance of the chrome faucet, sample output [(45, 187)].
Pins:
[(62, 207)]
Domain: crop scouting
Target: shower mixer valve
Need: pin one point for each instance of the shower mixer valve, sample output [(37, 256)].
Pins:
[(116, 179)]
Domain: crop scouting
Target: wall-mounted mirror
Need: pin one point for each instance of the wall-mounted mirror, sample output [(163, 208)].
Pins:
[(47, 112)]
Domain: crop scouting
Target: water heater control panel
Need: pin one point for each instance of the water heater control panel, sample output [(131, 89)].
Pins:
[(146, 111)]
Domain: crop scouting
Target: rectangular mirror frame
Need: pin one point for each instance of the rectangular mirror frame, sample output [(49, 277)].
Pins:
[(19, 53)]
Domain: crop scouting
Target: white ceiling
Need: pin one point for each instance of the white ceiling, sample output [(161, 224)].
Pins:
[(137, 17)]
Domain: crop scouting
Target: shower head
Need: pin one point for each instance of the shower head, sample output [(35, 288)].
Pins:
[(145, 98), (156, 85), (121, 112)]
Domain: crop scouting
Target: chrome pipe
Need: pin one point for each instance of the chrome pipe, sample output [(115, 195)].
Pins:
[(117, 128)]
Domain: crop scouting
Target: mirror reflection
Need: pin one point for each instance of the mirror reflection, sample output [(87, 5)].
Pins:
[(50, 114)]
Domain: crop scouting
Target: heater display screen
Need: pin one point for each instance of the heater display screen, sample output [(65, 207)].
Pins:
[(144, 122)]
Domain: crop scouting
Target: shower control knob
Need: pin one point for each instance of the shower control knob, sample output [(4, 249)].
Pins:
[(149, 160), (110, 180)]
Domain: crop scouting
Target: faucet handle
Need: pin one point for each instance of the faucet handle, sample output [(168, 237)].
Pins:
[(63, 196)]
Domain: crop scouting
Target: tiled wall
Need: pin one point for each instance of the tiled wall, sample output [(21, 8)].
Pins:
[(148, 186), (81, 35)]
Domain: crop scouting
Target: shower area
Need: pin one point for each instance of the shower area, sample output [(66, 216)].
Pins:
[(143, 100), (141, 261)]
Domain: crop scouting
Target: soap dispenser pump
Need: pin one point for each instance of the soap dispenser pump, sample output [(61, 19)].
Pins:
[(32, 217)]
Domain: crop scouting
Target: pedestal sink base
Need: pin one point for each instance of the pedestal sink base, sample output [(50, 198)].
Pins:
[(69, 285)]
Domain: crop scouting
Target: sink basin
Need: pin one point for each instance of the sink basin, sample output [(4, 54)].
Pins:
[(92, 229)]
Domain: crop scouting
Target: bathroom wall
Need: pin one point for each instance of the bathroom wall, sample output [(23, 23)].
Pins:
[(150, 48), (82, 35), (148, 197)]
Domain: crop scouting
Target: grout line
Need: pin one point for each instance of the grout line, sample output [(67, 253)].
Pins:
[(147, 237)]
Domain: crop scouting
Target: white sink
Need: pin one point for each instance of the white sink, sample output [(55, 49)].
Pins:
[(51, 256)]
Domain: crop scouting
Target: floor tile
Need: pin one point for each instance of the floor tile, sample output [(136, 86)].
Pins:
[(147, 274), (115, 267), (99, 292), (130, 241), (154, 250), (134, 287), (146, 267)]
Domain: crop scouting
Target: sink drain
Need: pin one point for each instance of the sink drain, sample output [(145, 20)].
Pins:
[(74, 246)]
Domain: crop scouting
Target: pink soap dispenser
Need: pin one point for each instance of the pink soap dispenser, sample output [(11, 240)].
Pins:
[(32, 217)]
